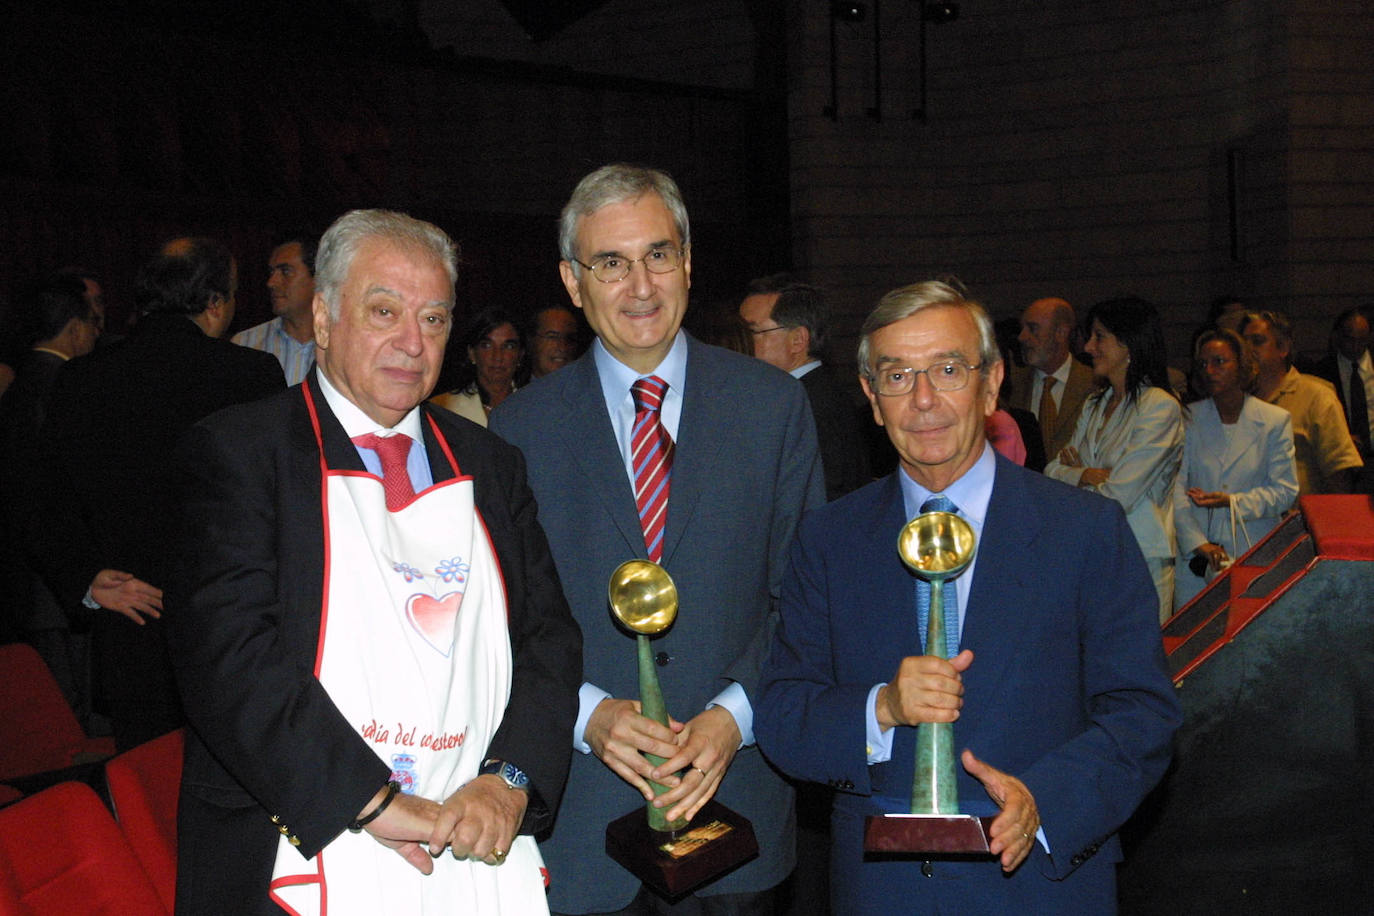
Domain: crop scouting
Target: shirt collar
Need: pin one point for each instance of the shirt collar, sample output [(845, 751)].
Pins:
[(279, 329), (1062, 373), (970, 493), (616, 377), (1343, 364), (805, 368), (356, 423)]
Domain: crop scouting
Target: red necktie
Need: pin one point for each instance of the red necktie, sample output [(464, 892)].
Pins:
[(393, 450), (651, 456), (1048, 413)]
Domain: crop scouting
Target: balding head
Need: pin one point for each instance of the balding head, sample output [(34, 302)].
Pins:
[(1046, 326)]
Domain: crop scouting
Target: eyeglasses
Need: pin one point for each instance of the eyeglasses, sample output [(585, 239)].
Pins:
[(612, 268), (758, 331), (946, 376)]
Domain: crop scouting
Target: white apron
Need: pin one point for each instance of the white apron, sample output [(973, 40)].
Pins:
[(415, 651)]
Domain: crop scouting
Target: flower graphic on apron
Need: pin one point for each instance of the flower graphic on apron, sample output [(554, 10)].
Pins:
[(430, 614)]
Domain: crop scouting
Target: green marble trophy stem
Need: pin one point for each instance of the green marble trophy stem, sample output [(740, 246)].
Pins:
[(652, 706), (933, 787)]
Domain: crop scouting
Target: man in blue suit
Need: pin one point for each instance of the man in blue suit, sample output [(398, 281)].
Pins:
[(744, 466), (1058, 691)]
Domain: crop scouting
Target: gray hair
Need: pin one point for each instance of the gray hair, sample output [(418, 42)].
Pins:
[(341, 241), (613, 184), (908, 300)]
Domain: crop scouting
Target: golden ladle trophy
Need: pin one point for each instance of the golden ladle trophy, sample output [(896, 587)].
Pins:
[(936, 546), (670, 857)]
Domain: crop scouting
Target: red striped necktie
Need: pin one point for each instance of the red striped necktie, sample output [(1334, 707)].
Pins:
[(651, 456), (393, 451)]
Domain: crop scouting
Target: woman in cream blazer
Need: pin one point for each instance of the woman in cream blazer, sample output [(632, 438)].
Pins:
[(1237, 460), (1129, 439)]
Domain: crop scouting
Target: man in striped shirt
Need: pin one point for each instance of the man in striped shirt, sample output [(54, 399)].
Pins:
[(290, 336)]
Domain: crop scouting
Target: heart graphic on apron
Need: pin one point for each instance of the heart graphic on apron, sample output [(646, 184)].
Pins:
[(433, 618)]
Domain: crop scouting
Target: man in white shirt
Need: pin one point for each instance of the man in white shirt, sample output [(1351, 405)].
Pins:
[(1349, 368)]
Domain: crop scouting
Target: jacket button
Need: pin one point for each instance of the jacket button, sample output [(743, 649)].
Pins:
[(848, 784), (294, 840), (663, 658), (927, 869)]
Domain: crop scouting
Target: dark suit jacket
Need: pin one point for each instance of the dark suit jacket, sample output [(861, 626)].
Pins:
[(840, 435), (1067, 690), (21, 416), (113, 421), (1329, 369), (244, 606), (1079, 386), (745, 466)]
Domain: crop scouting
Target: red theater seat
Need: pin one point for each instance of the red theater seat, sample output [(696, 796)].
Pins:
[(61, 853), (38, 731), (144, 783)]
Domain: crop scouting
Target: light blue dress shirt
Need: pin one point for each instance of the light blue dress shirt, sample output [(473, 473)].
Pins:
[(357, 423), (970, 493)]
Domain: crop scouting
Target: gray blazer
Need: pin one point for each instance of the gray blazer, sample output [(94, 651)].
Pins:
[(744, 470)]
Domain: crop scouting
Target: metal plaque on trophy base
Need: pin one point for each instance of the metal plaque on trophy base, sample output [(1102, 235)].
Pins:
[(671, 857), (936, 546), (675, 863)]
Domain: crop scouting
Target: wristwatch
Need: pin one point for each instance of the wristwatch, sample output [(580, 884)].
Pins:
[(512, 775)]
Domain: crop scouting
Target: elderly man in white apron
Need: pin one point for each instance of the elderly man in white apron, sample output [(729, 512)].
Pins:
[(369, 629)]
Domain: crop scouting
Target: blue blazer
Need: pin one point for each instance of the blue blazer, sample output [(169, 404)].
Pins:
[(745, 467), (1067, 690)]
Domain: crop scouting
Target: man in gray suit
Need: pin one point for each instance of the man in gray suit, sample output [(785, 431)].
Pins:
[(743, 466), (1046, 332)]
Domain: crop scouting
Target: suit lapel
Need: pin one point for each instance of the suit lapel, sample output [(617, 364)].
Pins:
[(896, 627), (589, 441), (993, 627), (1076, 391), (1247, 431), (705, 412), (339, 451)]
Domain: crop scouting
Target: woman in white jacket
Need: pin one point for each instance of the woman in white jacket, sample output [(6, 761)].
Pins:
[(1238, 475), (1129, 438)]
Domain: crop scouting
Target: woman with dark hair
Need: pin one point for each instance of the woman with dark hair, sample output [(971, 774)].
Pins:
[(1129, 438), (495, 348), (1238, 475)]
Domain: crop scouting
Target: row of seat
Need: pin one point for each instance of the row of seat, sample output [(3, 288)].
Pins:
[(38, 731), (62, 851)]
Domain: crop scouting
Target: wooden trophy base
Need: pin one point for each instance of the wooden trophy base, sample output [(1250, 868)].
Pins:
[(927, 834), (673, 864)]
